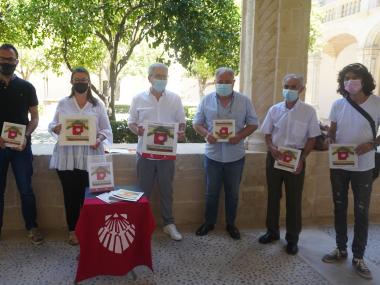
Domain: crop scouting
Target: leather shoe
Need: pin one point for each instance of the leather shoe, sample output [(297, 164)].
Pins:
[(204, 229), (268, 238), (292, 248), (233, 231)]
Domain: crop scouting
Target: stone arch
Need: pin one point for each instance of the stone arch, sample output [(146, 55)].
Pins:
[(336, 44), (373, 37), (371, 54)]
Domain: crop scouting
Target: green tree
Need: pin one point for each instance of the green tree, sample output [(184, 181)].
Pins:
[(316, 17), (225, 50), (83, 32), (31, 59)]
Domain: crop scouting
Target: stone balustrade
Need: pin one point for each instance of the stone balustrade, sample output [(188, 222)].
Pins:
[(188, 190)]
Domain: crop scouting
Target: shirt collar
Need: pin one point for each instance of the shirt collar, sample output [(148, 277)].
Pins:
[(216, 96), (150, 93), (14, 76), (284, 108)]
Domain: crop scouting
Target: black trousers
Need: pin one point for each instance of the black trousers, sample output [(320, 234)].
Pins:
[(361, 184), (74, 183), (293, 190)]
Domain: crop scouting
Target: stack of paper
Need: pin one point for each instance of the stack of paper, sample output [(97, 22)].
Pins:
[(120, 195)]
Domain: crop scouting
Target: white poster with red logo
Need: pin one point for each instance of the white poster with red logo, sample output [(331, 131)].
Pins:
[(100, 172), (343, 156), (13, 134), (160, 141), (77, 130), (223, 130), (289, 160)]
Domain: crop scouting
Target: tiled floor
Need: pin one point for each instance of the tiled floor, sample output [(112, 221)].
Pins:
[(213, 259)]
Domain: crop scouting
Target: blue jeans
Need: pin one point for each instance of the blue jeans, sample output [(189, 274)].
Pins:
[(226, 173), (361, 184), (21, 163)]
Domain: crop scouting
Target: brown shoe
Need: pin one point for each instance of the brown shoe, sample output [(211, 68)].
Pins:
[(36, 236), (73, 240)]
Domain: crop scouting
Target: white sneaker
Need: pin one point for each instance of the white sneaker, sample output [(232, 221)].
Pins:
[(171, 230)]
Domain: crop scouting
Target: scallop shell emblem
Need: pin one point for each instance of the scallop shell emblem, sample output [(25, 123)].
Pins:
[(117, 234)]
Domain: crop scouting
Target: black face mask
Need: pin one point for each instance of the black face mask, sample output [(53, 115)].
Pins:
[(80, 87), (7, 68)]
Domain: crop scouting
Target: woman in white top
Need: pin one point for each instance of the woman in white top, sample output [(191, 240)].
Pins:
[(349, 126), (70, 162)]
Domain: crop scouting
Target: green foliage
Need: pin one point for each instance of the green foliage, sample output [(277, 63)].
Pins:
[(224, 46), (10, 31), (315, 28), (124, 109), (191, 135), (31, 60), (85, 32), (121, 132)]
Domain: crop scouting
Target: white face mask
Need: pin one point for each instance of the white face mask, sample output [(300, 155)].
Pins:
[(290, 95), (159, 85), (223, 89)]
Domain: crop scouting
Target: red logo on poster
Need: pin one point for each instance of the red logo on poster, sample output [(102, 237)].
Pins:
[(223, 131), (12, 134), (100, 175), (287, 158), (160, 137), (342, 155), (77, 130)]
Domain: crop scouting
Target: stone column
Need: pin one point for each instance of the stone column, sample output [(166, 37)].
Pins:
[(369, 56), (274, 43), (312, 89)]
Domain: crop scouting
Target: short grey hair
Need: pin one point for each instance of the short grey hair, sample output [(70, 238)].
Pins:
[(222, 70), (153, 66), (296, 76)]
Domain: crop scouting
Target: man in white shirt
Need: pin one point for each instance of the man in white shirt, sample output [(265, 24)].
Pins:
[(349, 126), (293, 124), (161, 106)]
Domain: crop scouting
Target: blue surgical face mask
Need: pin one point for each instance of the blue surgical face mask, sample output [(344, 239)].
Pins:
[(159, 85), (223, 89), (290, 95)]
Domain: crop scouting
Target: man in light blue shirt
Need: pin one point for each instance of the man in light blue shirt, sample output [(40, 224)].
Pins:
[(224, 161)]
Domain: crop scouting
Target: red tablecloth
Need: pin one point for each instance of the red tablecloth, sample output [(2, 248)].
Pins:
[(114, 238)]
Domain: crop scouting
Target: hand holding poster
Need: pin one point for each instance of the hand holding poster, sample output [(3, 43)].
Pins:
[(343, 156), (290, 159), (223, 129), (160, 141), (77, 130), (13, 134)]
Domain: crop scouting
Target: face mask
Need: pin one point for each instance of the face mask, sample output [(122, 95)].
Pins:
[(223, 89), (80, 87), (290, 95), (7, 68), (353, 86), (159, 85)]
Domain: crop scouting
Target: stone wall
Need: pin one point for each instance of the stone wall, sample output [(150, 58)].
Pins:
[(189, 191)]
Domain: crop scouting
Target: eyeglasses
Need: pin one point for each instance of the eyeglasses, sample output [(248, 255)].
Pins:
[(75, 80), (292, 87), (8, 59)]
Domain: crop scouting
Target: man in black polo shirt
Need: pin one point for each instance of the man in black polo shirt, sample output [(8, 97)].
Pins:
[(18, 99)]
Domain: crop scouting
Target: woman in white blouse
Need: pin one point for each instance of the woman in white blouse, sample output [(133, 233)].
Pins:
[(70, 162)]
